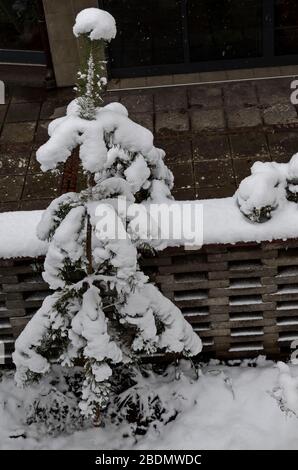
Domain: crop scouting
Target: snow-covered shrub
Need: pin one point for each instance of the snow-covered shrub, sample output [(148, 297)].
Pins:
[(55, 406), (260, 193), (286, 392), (292, 179), (143, 399), (267, 188), (103, 312)]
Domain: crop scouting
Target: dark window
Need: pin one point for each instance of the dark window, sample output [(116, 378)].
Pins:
[(224, 29), (149, 32), (179, 36), (19, 27), (286, 27)]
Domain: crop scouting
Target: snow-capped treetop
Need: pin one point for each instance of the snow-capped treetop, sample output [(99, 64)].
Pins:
[(99, 23)]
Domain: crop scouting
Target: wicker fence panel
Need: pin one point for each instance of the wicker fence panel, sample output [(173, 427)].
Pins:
[(241, 299)]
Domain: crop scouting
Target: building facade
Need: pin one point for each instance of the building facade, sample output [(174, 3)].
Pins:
[(156, 38)]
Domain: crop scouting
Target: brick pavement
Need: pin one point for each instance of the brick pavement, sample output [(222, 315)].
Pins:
[(212, 134)]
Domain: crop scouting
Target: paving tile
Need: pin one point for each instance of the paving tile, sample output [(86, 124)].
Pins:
[(274, 91), (34, 166), (34, 204), (205, 96), (289, 70), (53, 109), (8, 206), (42, 185), (42, 135), (144, 119), (207, 174), (207, 119), (14, 158), (27, 94), (114, 84), (184, 194), (177, 151), (260, 72), (240, 94), (134, 82), (201, 179), (168, 99), (21, 112), (249, 144), (281, 113), (240, 74), (18, 132), (11, 187), (8, 90), (242, 166), (65, 94), (184, 78), (243, 117), (171, 121), (215, 192), (111, 97), (159, 80), (215, 76), (210, 148), (3, 109), (183, 175), (283, 145), (138, 102)]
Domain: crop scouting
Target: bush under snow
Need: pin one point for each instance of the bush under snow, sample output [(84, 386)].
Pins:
[(267, 188)]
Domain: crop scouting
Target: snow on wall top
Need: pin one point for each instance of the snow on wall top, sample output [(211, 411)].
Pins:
[(18, 235), (99, 23), (223, 223)]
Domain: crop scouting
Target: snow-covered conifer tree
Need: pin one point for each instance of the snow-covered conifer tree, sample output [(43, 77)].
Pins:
[(103, 312)]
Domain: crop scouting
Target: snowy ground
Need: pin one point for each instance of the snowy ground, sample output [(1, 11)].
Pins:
[(227, 408)]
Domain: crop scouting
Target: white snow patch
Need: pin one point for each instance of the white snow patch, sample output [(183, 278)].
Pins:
[(227, 408), (99, 23), (18, 235)]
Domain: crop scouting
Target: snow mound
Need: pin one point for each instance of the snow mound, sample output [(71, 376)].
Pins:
[(99, 23), (267, 187), (229, 408), (18, 235)]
